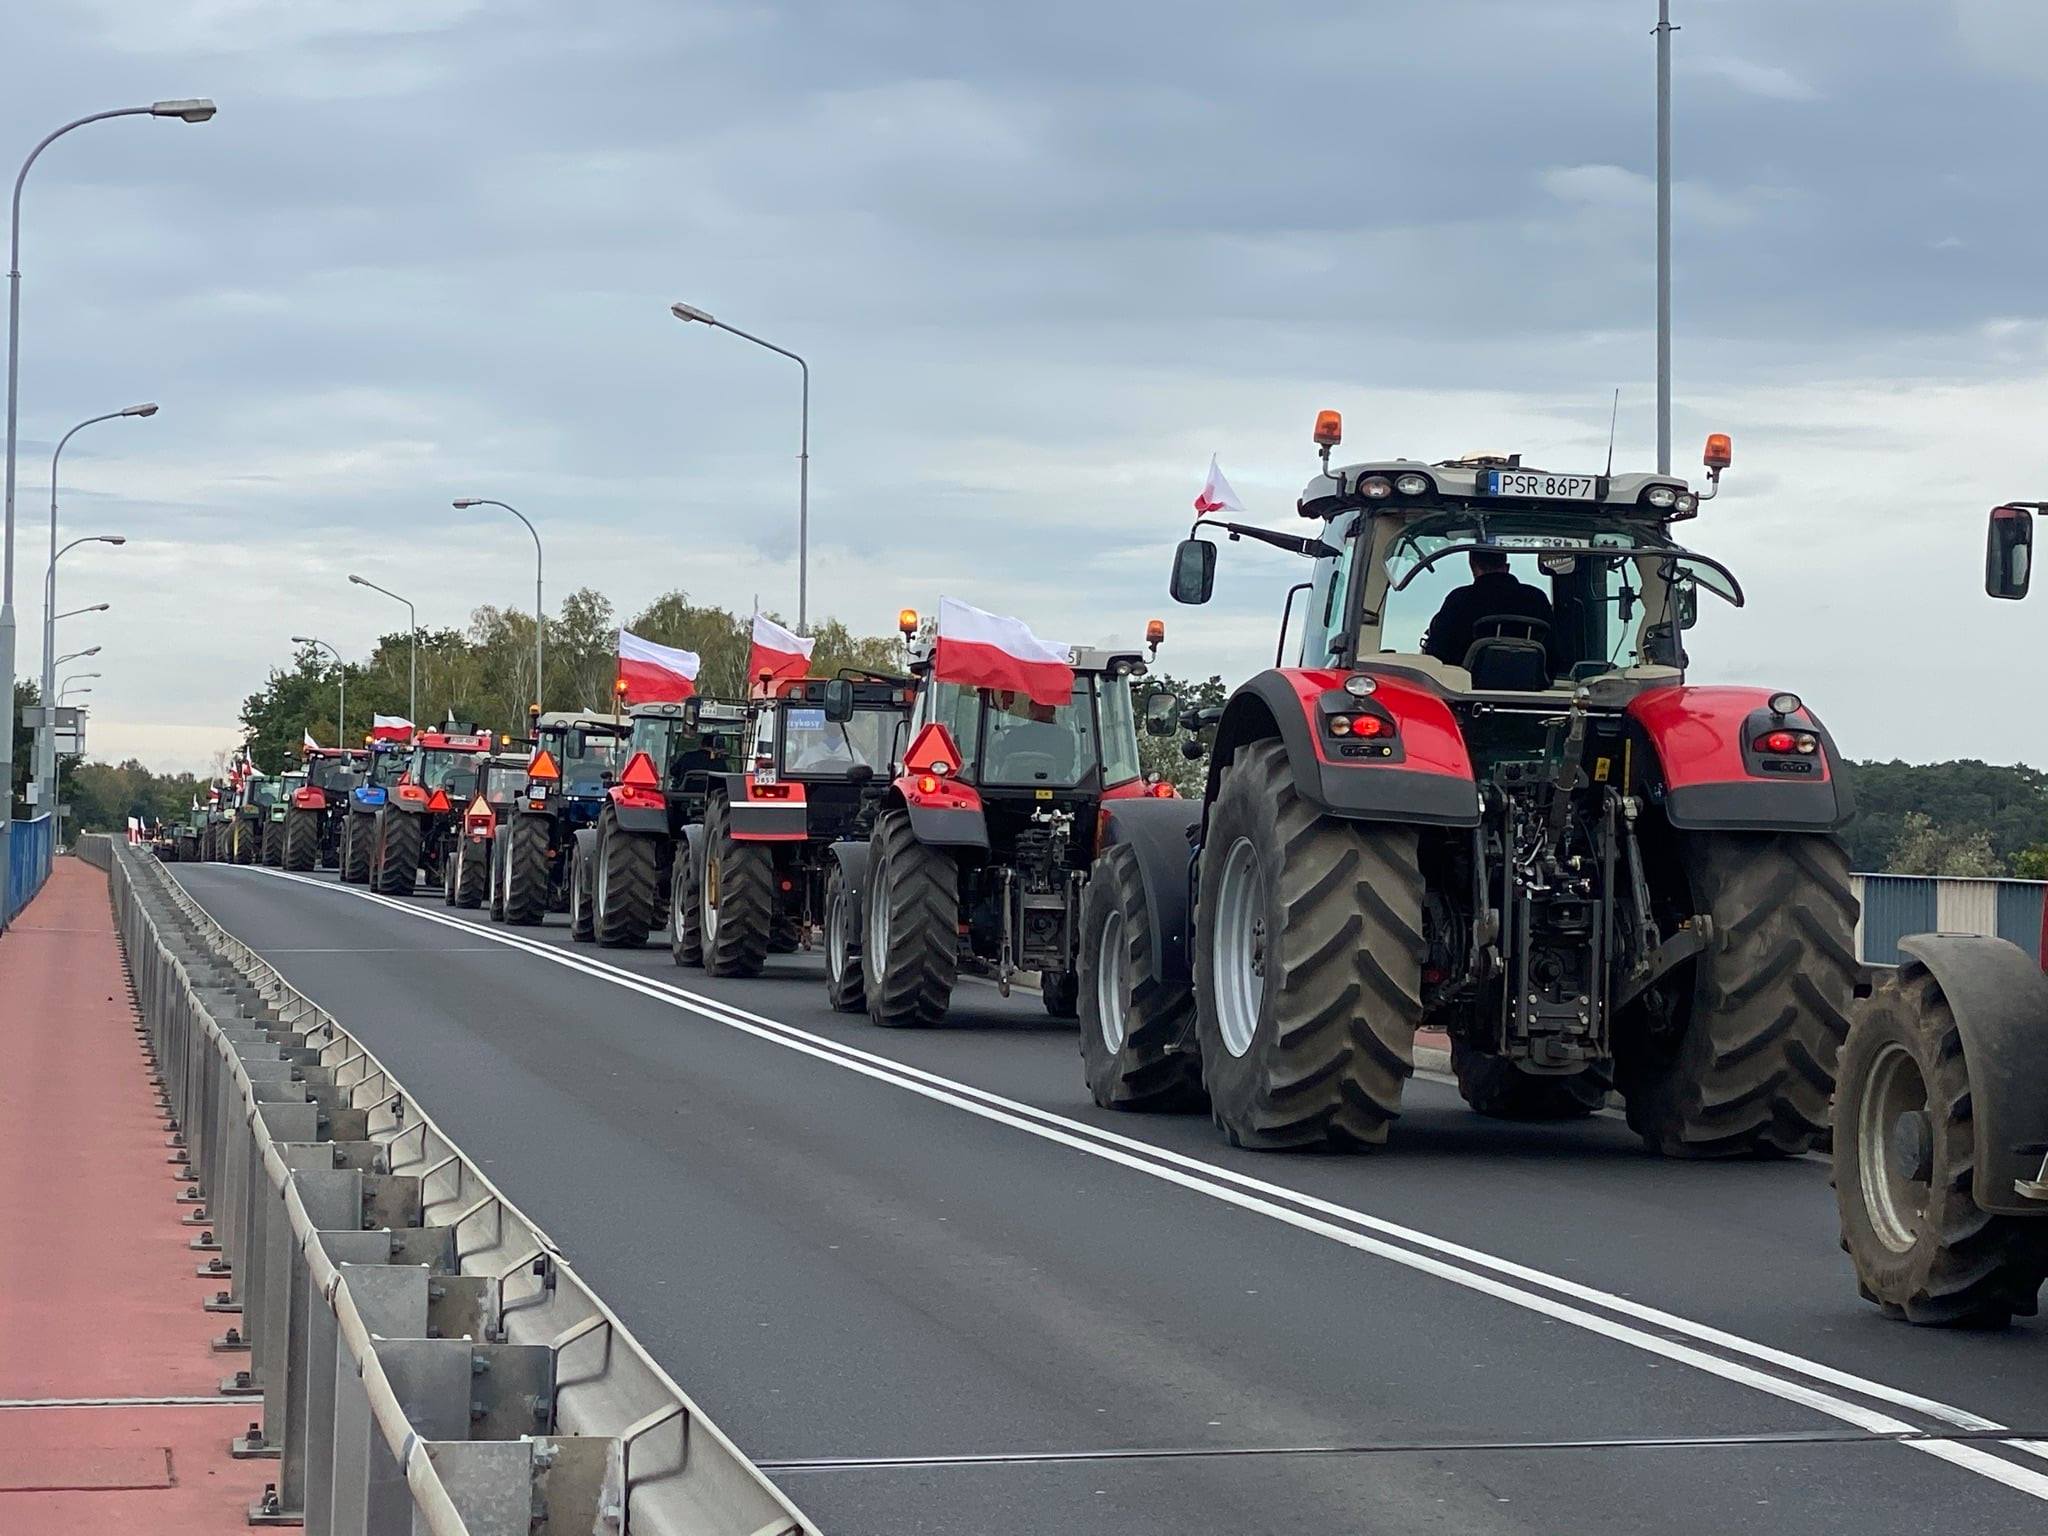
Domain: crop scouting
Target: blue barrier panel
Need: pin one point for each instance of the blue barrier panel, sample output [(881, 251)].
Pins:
[(1894, 906), (28, 864)]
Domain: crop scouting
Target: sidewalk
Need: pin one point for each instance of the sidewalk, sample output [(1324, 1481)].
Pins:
[(98, 1295)]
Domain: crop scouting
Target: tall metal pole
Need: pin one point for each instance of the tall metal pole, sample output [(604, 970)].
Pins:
[(1664, 31), (341, 669), (195, 111), (412, 697), (539, 612)]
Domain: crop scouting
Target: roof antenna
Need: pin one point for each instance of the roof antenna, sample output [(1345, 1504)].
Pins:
[(1612, 419)]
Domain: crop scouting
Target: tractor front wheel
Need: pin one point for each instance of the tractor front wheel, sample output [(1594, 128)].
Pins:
[(626, 867), (582, 923), (301, 841), (736, 896), (1905, 1166), (844, 989), (357, 832), (472, 877), (913, 927), (526, 870), (1137, 1033), (1308, 964), (273, 845), (1751, 1069), (685, 906), (1495, 1087), (1060, 991)]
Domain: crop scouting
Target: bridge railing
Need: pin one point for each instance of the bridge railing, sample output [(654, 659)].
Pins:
[(28, 865), (426, 1359)]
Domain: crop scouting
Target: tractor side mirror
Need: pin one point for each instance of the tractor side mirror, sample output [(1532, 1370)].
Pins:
[(838, 699), (693, 709), (1688, 599), (2009, 552), (1194, 571), (1162, 712)]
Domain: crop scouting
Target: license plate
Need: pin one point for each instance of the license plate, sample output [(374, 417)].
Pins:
[(1538, 485), (1043, 794)]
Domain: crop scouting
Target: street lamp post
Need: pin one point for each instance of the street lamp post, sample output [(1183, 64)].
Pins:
[(46, 738), (72, 613), (412, 704), (78, 655), (341, 668), (1664, 31), (539, 613), (688, 313), (192, 111)]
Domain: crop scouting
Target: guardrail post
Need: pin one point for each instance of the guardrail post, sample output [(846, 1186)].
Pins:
[(370, 1495)]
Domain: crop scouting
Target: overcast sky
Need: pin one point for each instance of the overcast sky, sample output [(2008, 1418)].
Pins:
[(1044, 260)]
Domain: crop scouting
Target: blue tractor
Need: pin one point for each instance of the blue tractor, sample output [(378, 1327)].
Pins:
[(576, 757)]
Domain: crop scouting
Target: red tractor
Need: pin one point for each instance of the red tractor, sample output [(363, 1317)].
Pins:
[(762, 866), (1941, 1112), (1523, 827), (983, 841), (319, 807), (416, 826)]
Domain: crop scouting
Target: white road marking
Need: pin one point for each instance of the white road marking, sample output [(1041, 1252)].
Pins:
[(1275, 1201)]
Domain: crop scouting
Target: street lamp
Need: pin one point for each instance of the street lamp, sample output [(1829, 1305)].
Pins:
[(412, 698), (46, 773), (72, 613), (72, 682), (690, 313), (77, 656), (341, 718), (190, 110), (539, 614)]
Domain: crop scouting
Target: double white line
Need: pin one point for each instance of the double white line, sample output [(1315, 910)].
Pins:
[(1776, 1373)]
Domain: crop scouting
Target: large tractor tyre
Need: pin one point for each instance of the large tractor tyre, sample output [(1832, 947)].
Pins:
[(526, 871), (497, 866), (1905, 1164), (1060, 991), (736, 895), (245, 841), (301, 841), (582, 924), (395, 870), (273, 845), (685, 906), (358, 833), (626, 899), (1752, 1070), (911, 953), (448, 882), (472, 877), (1495, 1087), (1137, 1033), (786, 933), (1308, 964), (844, 989)]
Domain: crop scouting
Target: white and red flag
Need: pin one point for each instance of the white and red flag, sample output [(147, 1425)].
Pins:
[(308, 743), (654, 674), (1216, 494), (390, 728), (986, 650), (776, 654)]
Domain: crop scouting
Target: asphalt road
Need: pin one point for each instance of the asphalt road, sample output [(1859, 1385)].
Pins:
[(881, 1246)]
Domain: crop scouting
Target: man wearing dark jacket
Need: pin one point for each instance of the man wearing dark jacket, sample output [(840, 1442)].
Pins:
[(1494, 593)]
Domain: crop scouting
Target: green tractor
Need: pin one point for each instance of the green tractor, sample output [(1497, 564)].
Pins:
[(288, 784)]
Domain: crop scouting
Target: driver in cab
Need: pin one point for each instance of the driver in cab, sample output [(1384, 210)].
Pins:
[(1494, 593)]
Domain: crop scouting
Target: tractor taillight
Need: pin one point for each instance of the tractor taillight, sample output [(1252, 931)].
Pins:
[(1788, 743), (927, 784)]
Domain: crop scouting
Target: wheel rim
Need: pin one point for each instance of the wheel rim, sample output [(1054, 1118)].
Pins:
[(878, 924), (1109, 983), (835, 936), (710, 901), (603, 888), (1239, 946), (1894, 1174)]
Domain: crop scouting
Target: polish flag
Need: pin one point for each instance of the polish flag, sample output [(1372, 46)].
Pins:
[(1216, 494), (986, 650), (307, 742), (776, 654), (654, 674), (390, 728)]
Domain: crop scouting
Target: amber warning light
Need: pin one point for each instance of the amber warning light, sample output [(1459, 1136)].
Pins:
[(1329, 428), (906, 620), (1720, 452)]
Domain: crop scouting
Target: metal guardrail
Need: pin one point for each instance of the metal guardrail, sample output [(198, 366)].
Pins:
[(28, 865), (426, 1360)]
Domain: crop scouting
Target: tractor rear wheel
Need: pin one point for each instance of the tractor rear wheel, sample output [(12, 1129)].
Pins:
[(582, 922), (301, 841), (1136, 1032), (500, 842), (472, 877), (1752, 1066), (357, 831), (625, 885), (912, 951), (736, 897), (273, 844), (844, 989), (1495, 1087), (1308, 964), (395, 868), (245, 841), (526, 870), (685, 906), (1905, 1165)]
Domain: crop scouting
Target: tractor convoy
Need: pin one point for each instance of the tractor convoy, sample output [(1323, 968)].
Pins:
[(1480, 797)]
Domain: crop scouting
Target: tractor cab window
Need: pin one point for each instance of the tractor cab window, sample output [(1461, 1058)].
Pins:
[(332, 773), (815, 747), (1008, 738), (502, 781), (657, 736), (436, 768), (262, 792), (385, 767), (1323, 634), (1119, 731)]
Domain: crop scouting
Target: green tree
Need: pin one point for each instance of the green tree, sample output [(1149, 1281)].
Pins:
[(1927, 849), (1166, 755)]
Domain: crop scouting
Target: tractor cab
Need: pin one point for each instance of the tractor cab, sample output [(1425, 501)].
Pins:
[(837, 737), (585, 752), (334, 771), (446, 761), (688, 742)]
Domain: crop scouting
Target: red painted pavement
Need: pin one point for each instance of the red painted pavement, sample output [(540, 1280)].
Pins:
[(97, 1292)]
